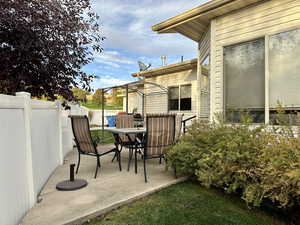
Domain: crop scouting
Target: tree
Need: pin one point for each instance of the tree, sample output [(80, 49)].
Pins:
[(44, 44), (80, 94), (115, 99), (97, 97)]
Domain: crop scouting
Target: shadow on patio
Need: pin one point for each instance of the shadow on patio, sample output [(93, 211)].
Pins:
[(111, 189)]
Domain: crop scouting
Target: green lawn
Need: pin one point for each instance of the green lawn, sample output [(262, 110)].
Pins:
[(91, 105), (105, 137), (188, 204)]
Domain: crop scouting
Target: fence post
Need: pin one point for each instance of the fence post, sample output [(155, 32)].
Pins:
[(60, 144), (27, 124)]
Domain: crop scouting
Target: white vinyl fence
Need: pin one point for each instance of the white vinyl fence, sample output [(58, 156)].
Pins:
[(34, 138), (95, 116)]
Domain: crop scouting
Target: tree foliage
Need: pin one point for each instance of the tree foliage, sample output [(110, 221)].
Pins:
[(44, 44), (97, 97), (116, 100), (80, 94)]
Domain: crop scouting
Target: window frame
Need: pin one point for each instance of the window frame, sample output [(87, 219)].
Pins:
[(267, 67), (179, 99)]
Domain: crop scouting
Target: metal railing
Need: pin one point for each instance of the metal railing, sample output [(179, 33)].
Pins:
[(184, 123)]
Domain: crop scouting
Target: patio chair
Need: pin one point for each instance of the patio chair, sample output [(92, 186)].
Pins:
[(160, 135), (127, 141), (86, 145), (178, 129)]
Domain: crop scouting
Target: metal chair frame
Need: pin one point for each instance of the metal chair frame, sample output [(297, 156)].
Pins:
[(144, 145), (130, 144), (94, 146)]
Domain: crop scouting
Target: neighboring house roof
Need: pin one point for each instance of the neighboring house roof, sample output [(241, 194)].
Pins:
[(189, 64), (194, 23)]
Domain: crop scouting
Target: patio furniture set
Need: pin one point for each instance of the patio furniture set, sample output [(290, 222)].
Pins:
[(160, 131)]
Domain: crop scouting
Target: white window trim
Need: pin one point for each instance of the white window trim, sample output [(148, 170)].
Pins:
[(179, 99), (267, 67), (267, 80)]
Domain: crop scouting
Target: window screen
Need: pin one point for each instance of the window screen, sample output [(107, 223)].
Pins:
[(244, 70), (174, 98), (185, 97), (285, 69)]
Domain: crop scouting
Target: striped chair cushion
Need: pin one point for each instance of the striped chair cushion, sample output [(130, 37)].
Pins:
[(160, 133), (81, 131), (125, 121)]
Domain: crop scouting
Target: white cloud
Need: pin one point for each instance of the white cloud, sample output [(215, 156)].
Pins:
[(115, 65), (109, 81), (112, 56), (127, 25)]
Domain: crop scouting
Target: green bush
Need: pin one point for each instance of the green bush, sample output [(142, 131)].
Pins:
[(256, 163), (278, 170), (185, 154)]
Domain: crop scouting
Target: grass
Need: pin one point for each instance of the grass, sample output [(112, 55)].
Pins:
[(188, 204), (105, 137), (91, 105)]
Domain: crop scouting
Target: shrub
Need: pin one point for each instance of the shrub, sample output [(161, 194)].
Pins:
[(278, 170), (252, 161), (185, 154)]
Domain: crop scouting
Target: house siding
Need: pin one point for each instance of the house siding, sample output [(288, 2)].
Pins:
[(135, 101), (204, 45), (159, 103), (247, 24), (203, 79)]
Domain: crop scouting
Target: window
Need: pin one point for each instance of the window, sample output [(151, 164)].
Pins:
[(185, 97), (174, 98), (244, 68), (284, 50), (285, 69), (180, 98), (244, 74)]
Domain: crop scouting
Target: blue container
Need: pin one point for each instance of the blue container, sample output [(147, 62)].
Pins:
[(111, 121)]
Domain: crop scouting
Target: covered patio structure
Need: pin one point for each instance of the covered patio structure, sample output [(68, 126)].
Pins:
[(142, 88)]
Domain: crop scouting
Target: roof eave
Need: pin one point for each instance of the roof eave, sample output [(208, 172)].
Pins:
[(195, 22), (189, 14), (173, 68)]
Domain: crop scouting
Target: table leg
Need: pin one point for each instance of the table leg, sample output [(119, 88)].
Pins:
[(130, 158)]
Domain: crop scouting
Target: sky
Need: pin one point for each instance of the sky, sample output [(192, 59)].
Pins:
[(126, 25)]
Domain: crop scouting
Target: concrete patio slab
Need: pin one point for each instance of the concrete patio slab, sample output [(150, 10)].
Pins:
[(110, 190)]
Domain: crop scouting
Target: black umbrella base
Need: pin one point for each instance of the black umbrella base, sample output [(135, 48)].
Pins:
[(68, 185)]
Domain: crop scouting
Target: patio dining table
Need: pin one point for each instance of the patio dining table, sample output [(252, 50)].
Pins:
[(117, 132), (126, 131)]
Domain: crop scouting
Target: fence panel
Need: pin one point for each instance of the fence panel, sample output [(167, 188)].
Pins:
[(67, 134), (34, 136), (45, 144), (95, 116), (14, 191)]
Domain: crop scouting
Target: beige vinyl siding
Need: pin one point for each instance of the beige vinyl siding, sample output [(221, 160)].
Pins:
[(204, 97), (203, 75), (254, 22), (204, 46), (159, 103), (135, 100)]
